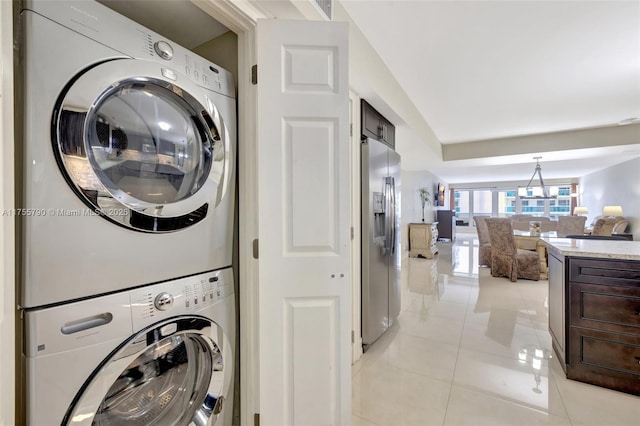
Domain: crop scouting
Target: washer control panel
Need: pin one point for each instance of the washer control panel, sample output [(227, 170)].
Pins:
[(163, 49), (163, 301), (182, 296)]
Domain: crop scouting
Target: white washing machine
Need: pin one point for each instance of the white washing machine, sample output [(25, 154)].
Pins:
[(128, 155), (160, 354)]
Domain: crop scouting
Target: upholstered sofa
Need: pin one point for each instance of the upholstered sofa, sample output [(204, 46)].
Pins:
[(611, 225), (615, 225)]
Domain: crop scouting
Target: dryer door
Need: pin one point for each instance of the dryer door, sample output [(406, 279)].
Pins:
[(173, 373), (142, 145)]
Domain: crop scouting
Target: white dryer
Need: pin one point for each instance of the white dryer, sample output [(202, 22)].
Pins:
[(128, 155), (160, 354)]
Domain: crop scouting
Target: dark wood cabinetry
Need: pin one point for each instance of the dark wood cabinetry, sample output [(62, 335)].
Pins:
[(374, 125), (604, 322), (446, 224)]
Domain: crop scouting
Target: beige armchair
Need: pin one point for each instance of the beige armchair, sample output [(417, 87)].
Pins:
[(570, 225), (507, 260)]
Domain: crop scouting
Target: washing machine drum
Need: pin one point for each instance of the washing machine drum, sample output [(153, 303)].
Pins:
[(142, 145), (179, 379)]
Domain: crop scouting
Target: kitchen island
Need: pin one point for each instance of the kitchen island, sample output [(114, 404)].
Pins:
[(594, 310)]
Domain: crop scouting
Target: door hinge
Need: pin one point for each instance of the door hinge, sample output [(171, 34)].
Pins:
[(254, 74), (353, 233), (353, 336), (256, 419), (255, 248)]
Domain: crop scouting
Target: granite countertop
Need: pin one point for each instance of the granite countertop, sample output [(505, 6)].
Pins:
[(606, 249)]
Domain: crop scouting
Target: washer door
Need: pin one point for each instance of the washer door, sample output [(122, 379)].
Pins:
[(171, 374), (142, 145)]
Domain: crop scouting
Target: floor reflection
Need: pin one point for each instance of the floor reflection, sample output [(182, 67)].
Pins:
[(472, 349)]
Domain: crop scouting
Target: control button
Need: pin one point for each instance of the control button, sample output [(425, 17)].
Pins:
[(169, 73), (163, 301), (205, 79), (219, 293), (164, 50), (187, 303), (187, 71), (195, 75), (204, 298), (195, 300), (211, 295)]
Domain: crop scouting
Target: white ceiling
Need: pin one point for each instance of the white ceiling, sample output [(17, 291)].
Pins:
[(487, 70), (485, 74)]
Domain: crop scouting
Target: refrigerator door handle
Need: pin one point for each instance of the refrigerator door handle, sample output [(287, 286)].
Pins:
[(390, 202), (392, 220)]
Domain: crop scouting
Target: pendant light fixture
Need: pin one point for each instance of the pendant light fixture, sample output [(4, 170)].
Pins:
[(540, 191)]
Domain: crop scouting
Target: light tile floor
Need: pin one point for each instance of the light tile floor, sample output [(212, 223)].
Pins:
[(454, 356)]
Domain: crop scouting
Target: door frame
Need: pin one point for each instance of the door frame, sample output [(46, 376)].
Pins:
[(356, 289), (241, 18)]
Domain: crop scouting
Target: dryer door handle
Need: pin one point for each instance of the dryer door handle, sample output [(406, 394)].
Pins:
[(86, 323)]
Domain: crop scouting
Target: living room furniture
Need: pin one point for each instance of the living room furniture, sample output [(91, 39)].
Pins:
[(619, 226), (422, 239), (625, 235), (597, 237), (570, 225), (526, 241), (594, 306), (506, 259), (609, 225), (484, 249), (521, 223), (446, 224)]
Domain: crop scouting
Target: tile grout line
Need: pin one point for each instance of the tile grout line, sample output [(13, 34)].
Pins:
[(455, 366)]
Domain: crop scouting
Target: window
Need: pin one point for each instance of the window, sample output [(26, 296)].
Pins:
[(482, 203), (461, 206), (506, 203)]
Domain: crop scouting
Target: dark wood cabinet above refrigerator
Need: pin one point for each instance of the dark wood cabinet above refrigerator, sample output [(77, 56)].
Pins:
[(374, 125)]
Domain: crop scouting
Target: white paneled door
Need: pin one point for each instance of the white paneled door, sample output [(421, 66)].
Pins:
[(304, 223)]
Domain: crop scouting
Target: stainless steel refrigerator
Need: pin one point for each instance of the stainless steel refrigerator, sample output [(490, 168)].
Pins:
[(380, 191)]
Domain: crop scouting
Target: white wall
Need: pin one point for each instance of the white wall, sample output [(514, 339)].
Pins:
[(618, 185), (410, 202), (370, 79)]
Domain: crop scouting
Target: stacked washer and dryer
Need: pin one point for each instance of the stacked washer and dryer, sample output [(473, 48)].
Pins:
[(127, 229)]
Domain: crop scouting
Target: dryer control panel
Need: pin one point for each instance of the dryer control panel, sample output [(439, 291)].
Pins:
[(188, 295), (108, 27)]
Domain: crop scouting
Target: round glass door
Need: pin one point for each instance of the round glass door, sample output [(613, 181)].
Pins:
[(147, 144), (175, 380), (142, 152)]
